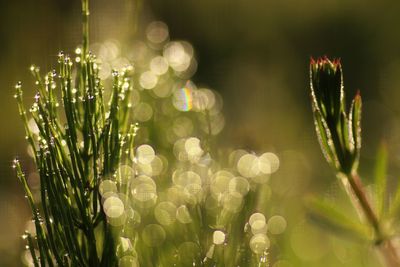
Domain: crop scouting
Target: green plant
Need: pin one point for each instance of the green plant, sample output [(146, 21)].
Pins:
[(339, 135), (72, 157), (107, 198)]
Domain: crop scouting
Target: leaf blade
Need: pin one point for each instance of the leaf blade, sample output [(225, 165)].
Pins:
[(328, 215), (355, 124), (380, 178)]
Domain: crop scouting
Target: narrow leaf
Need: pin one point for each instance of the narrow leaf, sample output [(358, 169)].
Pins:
[(355, 124), (345, 143), (324, 138), (381, 178), (328, 215)]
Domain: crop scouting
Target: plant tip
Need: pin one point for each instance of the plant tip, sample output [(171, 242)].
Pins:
[(18, 85)]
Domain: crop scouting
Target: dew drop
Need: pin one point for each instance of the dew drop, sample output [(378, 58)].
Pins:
[(257, 221), (270, 163), (145, 154), (148, 80), (247, 166), (18, 85), (259, 243), (114, 73), (218, 237), (113, 207)]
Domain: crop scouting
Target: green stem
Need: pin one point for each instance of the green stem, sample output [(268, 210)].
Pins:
[(358, 190), (383, 243), (85, 28)]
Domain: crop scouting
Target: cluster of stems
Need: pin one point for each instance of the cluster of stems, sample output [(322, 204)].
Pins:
[(74, 144)]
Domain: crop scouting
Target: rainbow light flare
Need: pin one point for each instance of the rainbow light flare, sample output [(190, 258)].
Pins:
[(183, 99)]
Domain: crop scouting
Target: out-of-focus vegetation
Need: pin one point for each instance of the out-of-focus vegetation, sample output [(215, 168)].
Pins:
[(255, 53), (131, 157)]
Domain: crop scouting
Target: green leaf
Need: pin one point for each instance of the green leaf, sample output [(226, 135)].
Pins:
[(355, 125), (380, 175), (346, 146), (329, 216), (324, 138)]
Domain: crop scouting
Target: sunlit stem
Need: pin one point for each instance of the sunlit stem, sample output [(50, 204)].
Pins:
[(359, 192), (383, 243)]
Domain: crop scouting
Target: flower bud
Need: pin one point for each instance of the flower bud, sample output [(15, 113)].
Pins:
[(339, 133), (327, 86)]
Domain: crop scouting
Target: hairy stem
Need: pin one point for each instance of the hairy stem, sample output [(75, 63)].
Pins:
[(358, 190), (384, 244)]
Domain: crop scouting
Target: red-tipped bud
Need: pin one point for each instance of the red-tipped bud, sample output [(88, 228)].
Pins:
[(326, 85), (339, 133)]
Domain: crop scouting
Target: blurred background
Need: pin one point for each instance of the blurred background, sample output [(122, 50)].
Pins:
[(256, 55)]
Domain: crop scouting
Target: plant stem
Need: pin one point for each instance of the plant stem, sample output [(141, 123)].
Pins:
[(389, 253), (358, 190), (383, 243), (85, 27)]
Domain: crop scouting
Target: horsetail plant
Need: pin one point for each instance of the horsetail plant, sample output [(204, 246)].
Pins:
[(71, 158), (339, 135), (107, 198)]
